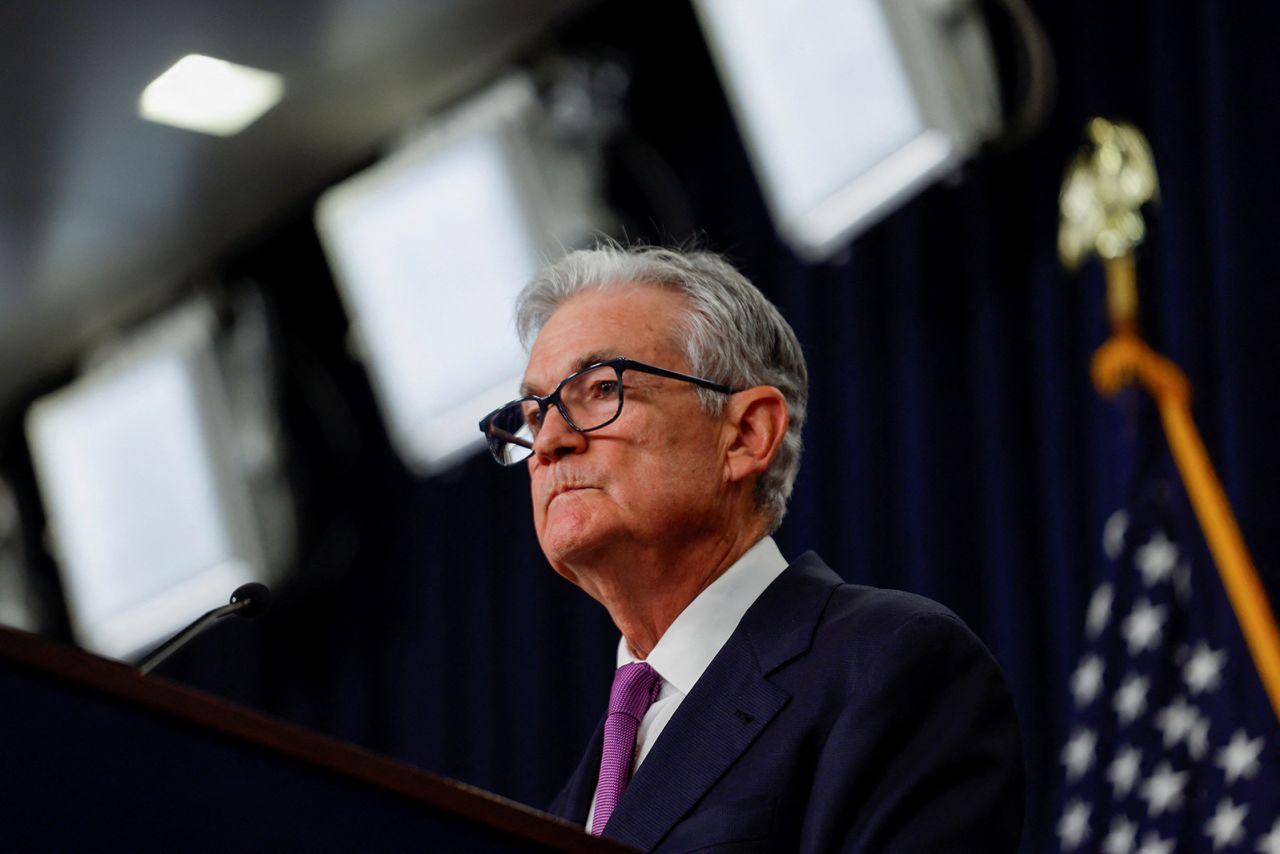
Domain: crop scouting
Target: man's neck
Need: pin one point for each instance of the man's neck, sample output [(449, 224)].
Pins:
[(645, 596)]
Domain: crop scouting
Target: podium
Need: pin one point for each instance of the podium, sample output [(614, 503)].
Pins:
[(94, 756)]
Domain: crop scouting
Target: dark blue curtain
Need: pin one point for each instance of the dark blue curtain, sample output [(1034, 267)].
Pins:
[(955, 448)]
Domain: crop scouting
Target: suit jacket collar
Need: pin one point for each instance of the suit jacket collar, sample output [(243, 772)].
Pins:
[(727, 709)]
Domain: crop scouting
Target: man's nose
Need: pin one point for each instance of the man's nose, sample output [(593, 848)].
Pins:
[(556, 438)]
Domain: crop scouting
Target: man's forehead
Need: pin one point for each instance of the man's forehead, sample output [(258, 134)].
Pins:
[(632, 320)]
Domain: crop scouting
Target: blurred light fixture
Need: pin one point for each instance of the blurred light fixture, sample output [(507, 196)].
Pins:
[(429, 247), (149, 517), (848, 107), (209, 95), (18, 605)]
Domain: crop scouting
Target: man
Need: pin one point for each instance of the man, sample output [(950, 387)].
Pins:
[(758, 706)]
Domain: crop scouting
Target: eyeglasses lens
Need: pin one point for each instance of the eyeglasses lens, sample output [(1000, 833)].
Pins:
[(511, 435), (591, 399)]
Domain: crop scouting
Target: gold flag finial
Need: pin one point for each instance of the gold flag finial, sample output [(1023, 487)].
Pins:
[(1107, 183)]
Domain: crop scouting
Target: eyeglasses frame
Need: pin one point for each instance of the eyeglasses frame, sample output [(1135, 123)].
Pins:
[(544, 403)]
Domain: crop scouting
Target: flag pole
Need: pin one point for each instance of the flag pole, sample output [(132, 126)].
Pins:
[(1105, 187)]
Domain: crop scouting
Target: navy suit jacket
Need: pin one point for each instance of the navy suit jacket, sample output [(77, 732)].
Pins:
[(836, 718)]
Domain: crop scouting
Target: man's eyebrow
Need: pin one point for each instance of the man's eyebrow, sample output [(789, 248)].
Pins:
[(581, 362), (596, 358)]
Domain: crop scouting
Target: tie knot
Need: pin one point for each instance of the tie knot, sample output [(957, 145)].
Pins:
[(635, 687)]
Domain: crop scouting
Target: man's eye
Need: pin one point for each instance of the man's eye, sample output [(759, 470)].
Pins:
[(604, 389)]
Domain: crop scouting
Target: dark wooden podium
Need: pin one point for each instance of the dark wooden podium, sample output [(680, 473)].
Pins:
[(95, 756)]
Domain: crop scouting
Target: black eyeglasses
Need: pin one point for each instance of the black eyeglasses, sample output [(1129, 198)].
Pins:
[(587, 400)]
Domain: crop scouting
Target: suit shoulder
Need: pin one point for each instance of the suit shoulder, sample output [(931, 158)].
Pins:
[(874, 610), (901, 650), (881, 600), (876, 605), (891, 628), (811, 608)]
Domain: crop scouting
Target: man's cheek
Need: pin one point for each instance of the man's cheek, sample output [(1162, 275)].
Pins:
[(537, 494)]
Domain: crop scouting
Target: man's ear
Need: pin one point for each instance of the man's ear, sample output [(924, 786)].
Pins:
[(755, 422)]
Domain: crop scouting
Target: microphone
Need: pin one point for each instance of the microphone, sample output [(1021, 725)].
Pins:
[(248, 601)]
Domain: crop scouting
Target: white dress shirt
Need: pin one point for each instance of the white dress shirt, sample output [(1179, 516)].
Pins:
[(693, 639)]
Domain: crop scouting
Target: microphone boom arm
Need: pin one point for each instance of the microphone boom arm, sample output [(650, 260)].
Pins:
[(248, 600)]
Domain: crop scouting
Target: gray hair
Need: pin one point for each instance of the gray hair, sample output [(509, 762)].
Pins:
[(730, 334)]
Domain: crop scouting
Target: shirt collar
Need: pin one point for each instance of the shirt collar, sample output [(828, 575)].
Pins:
[(686, 648)]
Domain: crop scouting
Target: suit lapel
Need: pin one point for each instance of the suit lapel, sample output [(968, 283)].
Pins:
[(727, 709), (575, 798)]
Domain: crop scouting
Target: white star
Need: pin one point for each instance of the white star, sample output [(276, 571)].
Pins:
[(1121, 838), (1087, 680), (1142, 628), (1163, 790), (1176, 721), (1131, 700), (1077, 754), (1156, 558), (1113, 533), (1122, 773), (1099, 611), (1270, 844), (1152, 844), (1203, 672), (1073, 827), (1227, 825), (1240, 757)]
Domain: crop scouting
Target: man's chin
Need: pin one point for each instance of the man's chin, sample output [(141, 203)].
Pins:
[(566, 548), (570, 541)]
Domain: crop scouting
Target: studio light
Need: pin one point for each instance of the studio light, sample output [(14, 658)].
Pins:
[(18, 607), (149, 516), (429, 247), (848, 107)]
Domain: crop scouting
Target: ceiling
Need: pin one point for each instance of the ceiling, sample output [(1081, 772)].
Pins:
[(103, 214)]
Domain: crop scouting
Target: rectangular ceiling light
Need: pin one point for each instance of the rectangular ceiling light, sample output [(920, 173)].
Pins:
[(148, 513), (847, 107), (209, 95)]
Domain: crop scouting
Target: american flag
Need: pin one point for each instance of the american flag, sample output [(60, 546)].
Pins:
[(1171, 743)]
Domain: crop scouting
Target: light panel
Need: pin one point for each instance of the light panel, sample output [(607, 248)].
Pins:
[(17, 605), (146, 514), (428, 248), (847, 107), (208, 95)]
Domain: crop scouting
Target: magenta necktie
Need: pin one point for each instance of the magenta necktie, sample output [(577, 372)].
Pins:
[(635, 687)]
